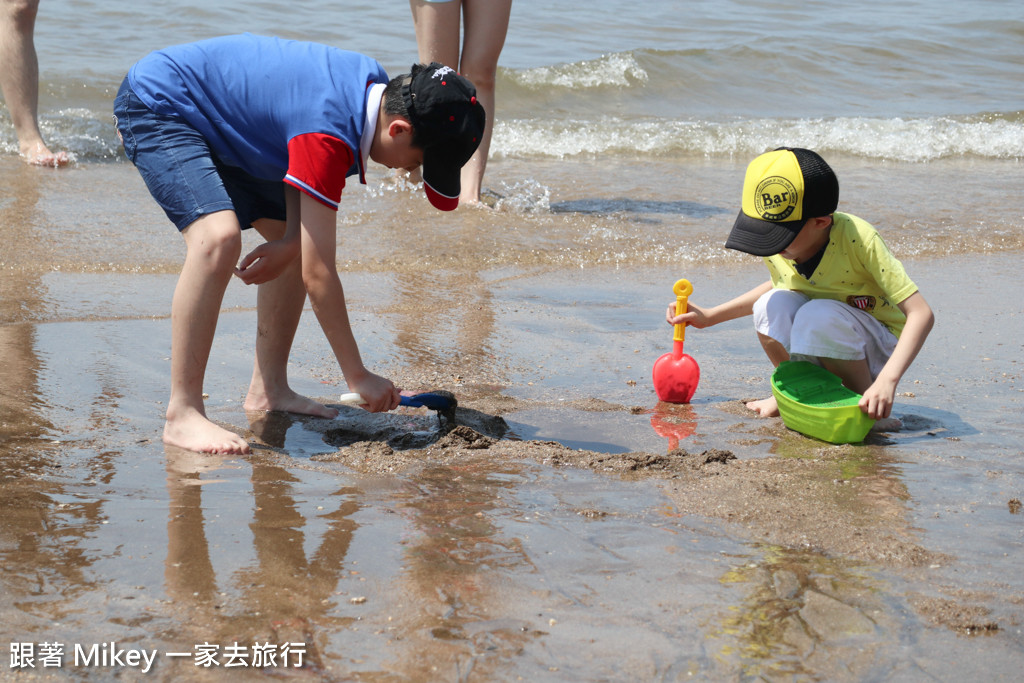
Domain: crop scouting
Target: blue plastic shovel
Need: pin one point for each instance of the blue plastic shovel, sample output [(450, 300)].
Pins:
[(443, 402)]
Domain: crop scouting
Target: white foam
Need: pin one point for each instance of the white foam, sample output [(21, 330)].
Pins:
[(896, 139), (618, 69)]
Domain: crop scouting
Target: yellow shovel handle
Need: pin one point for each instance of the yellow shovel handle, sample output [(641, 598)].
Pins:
[(683, 290)]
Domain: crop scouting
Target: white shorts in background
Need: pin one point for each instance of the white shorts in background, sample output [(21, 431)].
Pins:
[(823, 328)]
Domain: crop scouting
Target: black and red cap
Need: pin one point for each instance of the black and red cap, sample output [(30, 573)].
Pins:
[(449, 123)]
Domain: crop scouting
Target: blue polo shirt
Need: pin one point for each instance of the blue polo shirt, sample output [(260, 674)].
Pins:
[(278, 109)]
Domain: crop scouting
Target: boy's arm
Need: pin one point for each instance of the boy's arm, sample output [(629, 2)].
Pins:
[(699, 317), (320, 277), (878, 399)]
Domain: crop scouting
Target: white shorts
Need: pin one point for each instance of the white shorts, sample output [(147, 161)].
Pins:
[(810, 329)]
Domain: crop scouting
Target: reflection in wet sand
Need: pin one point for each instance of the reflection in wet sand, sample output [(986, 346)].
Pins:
[(455, 567), (453, 329), (21, 300), (802, 614), (673, 422), (188, 571), (33, 566), (285, 596)]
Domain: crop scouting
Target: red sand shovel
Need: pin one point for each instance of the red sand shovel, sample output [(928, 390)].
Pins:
[(676, 374)]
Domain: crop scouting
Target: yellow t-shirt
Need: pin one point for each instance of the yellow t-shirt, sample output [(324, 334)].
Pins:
[(857, 268)]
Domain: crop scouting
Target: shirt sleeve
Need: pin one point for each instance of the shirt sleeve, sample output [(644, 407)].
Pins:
[(888, 271), (318, 165)]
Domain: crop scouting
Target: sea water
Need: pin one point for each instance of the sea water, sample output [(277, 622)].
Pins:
[(914, 81), (917, 105)]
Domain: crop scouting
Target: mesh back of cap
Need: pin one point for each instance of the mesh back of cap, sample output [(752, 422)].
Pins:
[(821, 187)]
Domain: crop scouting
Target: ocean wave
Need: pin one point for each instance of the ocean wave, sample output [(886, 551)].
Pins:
[(744, 79), (87, 134), (90, 136), (993, 136), (621, 69)]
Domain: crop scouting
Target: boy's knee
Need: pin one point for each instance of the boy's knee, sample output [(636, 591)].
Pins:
[(819, 313), (216, 239), (761, 305), (228, 245), (776, 309), (820, 323)]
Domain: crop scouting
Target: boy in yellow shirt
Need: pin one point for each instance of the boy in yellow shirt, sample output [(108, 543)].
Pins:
[(837, 296)]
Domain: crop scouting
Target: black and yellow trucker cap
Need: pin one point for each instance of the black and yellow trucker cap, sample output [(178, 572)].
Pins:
[(782, 190)]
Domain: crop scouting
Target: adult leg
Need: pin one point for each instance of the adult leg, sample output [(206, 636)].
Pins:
[(486, 24), (19, 80), (213, 245), (437, 31), (279, 305)]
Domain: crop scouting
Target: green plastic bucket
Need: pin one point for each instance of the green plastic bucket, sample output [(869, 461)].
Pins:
[(814, 402)]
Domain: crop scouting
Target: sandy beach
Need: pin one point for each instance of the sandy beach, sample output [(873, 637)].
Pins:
[(565, 526)]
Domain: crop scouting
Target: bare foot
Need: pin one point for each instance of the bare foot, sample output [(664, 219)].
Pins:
[(196, 433), (489, 198), (288, 402), (39, 154), (766, 407), (184, 462)]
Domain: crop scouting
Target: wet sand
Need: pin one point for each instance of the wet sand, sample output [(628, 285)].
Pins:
[(565, 526)]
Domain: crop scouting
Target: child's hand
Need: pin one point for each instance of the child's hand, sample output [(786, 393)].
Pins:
[(379, 394), (267, 261), (694, 316), (877, 401)]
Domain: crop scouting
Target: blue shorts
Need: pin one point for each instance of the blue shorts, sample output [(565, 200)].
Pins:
[(183, 174)]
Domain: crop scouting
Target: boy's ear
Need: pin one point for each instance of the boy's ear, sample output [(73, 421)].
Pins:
[(399, 126)]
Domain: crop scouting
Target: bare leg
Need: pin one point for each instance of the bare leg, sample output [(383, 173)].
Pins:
[(777, 353), (19, 80), (486, 24), (856, 376), (437, 31), (437, 38), (213, 244), (278, 309)]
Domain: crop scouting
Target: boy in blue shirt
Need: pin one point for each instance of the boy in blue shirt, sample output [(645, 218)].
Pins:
[(251, 131), (837, 296)]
